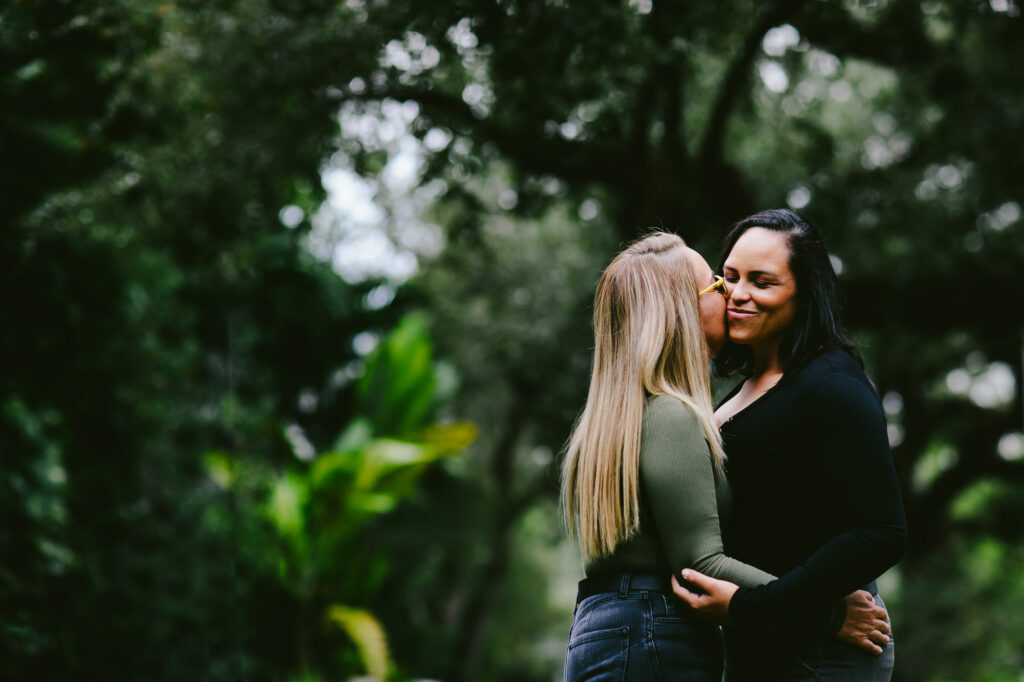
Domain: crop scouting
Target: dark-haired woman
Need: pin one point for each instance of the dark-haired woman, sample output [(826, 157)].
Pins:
[(816, 496)]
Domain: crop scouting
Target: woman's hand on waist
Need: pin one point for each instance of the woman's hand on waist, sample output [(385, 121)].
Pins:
[(708, 596), (867, 624)]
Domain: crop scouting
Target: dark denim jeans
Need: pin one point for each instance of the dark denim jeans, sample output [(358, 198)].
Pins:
[(641, 635), (781, 654)]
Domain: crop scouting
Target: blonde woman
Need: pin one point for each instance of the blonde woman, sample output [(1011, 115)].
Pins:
[(643, 485)]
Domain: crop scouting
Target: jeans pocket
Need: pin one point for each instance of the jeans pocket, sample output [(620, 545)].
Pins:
[(687, 649), (598, 655)]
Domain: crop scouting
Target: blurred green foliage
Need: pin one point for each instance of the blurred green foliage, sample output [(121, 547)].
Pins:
[(204, 470), (319, 510)]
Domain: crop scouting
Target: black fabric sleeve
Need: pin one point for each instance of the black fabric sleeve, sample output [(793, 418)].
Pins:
[(678, 475), (851, 459)]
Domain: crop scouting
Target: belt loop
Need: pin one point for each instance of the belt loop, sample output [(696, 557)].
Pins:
[(624, 585)]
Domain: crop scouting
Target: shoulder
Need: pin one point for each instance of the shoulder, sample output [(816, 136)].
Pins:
[(672, 438), (828, 367), (668, 419), (833, 377), (667, 410)]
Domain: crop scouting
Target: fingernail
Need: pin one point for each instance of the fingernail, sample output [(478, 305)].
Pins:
[(686, 573)]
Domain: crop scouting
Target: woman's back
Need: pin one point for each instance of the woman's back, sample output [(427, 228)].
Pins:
[(627, 624)]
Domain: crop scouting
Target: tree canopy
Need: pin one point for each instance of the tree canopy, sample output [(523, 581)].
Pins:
[(188, 385)]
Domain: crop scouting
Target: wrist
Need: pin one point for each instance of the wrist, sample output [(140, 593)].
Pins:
[(838, 616), (734, 611)]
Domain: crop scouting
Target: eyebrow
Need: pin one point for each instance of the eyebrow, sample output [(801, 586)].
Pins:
[(754, 273)]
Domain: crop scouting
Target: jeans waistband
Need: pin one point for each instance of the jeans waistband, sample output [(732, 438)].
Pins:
[(622, 583)]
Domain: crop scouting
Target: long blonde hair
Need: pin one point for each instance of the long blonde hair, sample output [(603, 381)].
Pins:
[(648, 339)]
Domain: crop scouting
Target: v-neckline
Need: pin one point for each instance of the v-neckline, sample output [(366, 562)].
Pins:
[(739, 387)]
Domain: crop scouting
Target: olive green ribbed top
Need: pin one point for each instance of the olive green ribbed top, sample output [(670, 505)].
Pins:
[(684, 502)]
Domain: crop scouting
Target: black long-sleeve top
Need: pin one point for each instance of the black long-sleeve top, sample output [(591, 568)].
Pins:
[(816, 496)]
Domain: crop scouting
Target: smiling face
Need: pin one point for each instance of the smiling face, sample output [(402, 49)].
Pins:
[(762, 290), (712, 304)]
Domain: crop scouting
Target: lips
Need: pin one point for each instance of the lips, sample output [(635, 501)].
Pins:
[(736, 314)]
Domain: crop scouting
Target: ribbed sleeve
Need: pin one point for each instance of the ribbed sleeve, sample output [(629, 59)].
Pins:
[(679, 479)]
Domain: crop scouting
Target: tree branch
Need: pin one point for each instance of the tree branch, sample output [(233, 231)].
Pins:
[(575, 161), (897, 38), (734, 81)]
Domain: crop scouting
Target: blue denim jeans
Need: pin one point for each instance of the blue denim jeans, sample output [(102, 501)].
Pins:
[(641, 635), (781, 654)]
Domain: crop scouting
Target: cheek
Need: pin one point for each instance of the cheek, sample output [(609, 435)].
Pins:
[(714, 309), (791, 313), (721, 307), (785, 313)]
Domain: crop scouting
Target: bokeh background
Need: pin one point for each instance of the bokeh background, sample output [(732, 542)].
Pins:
[(295, 309)]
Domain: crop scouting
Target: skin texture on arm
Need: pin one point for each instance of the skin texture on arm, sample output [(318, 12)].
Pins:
[(679, 479)]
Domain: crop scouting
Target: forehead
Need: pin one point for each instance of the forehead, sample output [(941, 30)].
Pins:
[(760, 249)]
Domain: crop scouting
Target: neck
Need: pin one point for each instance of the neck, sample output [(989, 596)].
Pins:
[(766, 359)]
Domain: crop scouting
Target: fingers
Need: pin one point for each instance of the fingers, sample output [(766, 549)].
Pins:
[(686, 595), (868, 645), (702, 581), (872, 641), (879, 638), (862, 596), (868, 600), (862, 600), (877, 631), (875, 618), (677, 588)]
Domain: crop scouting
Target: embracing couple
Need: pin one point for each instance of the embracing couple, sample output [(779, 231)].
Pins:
[(792, 469)]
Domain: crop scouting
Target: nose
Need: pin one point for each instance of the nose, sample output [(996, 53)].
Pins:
[(738, 291)]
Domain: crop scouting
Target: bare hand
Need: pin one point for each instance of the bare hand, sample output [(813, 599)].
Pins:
[(867, 624), (713, 605)]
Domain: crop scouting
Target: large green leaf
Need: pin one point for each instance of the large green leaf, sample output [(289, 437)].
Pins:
[(357, 434), (288, 499), (398, 386), (367, 634)]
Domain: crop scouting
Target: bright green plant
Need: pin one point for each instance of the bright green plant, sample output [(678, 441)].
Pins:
[(320, 510)]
